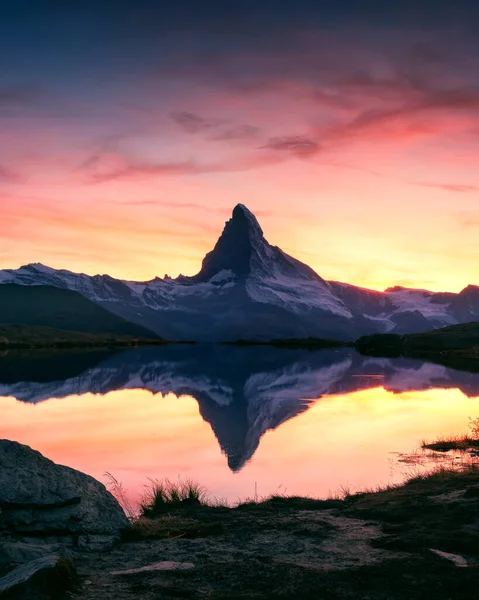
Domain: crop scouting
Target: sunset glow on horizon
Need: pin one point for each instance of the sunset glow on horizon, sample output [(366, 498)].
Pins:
[(129, 133)]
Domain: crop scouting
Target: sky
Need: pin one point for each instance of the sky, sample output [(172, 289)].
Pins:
[(130, 130)]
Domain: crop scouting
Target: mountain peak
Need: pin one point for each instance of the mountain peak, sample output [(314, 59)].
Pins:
[(241, 208), (38, 267), (242, 237), (241, 212)]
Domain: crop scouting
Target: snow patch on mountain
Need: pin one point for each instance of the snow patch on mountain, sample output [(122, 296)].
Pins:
[(295, 294), (423, 301), (382, 324)]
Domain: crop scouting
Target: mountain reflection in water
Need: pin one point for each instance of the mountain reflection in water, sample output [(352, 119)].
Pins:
[(242, 392)]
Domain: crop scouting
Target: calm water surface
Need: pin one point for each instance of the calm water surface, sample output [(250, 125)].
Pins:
[(232, 418)]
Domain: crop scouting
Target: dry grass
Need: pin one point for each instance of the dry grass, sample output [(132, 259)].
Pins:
[(435, 509), (117, 489), (438, 480), (462, 443)]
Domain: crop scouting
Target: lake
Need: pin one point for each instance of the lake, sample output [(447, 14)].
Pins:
[(239, 420)]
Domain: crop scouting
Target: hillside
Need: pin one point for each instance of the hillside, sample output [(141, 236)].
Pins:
[(48, 306), (455, 337), (456, 346), (35, 336)]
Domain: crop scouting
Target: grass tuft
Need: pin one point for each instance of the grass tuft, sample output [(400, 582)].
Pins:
[(163, 495), (462, 443)]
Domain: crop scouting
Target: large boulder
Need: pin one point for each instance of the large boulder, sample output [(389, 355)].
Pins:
[(39, 497)]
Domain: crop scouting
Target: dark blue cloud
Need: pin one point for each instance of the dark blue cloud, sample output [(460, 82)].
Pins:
[(58, 35), (88, 57)]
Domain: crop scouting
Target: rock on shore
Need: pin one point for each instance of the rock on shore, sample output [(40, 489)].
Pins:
[(40, 497)]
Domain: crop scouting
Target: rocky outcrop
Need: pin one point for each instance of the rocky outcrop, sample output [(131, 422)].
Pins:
[(39, 497), (48, 513), (14, 552), (42, 579)]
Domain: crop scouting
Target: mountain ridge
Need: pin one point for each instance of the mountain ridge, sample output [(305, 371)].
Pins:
[(248, 288)]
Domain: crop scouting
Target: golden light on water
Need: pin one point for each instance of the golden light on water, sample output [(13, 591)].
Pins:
[(345, 440)]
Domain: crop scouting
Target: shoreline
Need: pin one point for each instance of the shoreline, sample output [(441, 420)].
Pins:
[(409, 541)]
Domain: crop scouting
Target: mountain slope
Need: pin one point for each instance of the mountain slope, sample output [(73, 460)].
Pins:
[(456, 346), (249, 289), (48, 306), (462, 338)]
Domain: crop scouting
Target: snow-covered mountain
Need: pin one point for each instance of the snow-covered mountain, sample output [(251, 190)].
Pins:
[(248, 288), (241, 392)]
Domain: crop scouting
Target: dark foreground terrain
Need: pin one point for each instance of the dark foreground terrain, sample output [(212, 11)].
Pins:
[(420, 540)]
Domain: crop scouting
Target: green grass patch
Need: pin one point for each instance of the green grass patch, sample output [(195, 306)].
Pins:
[(170, 527)]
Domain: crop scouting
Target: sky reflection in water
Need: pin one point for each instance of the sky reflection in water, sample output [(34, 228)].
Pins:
[(286, 420)]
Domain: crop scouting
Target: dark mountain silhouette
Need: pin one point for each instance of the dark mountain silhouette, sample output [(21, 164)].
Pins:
[(249, 289)]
